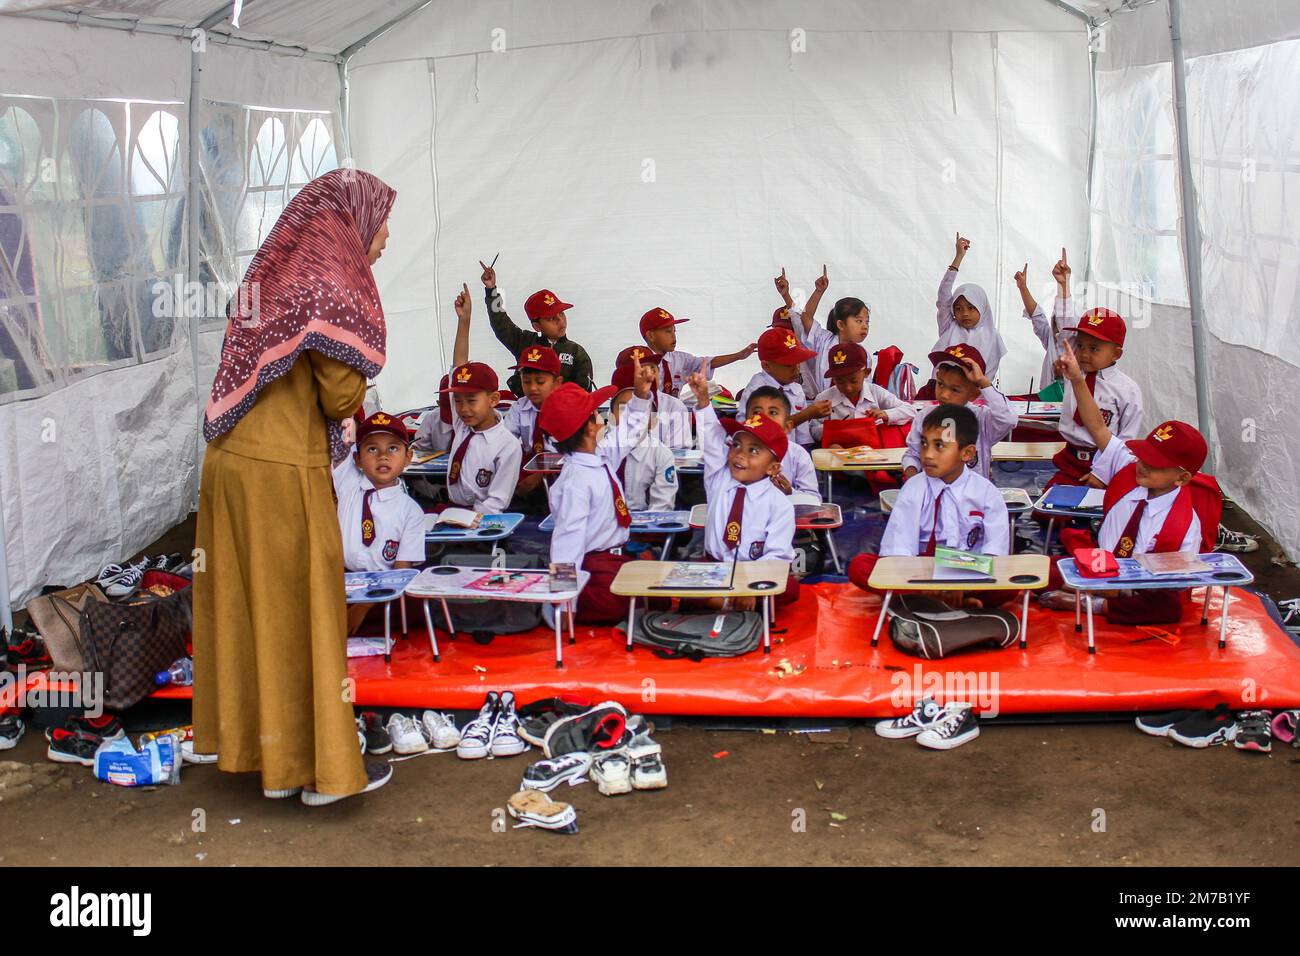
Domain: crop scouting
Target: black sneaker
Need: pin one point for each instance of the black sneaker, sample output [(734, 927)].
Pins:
[(1159, 725), (1205, 728), (70, 746), (957, 726), (377, 774), (377, 739), (546, 775), (29, 651), (1254, 731), (1290, 609), (12, 729), (105, 727), (601, 729), (535, 719), (1235, 541)]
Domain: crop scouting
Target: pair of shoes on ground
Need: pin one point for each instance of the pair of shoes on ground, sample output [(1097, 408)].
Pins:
[(533, 808), (1252, 730), (406, 735), (1235, 541), (636, 764), (377, 774), (119, 581), (27, 648), (935, 727), (77, 739), (494, 732)]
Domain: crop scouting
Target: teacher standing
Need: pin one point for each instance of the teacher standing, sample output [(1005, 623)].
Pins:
[(270, 624)]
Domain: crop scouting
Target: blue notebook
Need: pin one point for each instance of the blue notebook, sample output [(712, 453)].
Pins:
[(1070, 497)]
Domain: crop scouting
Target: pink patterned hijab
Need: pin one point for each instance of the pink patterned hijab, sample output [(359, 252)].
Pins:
[(309, 287)]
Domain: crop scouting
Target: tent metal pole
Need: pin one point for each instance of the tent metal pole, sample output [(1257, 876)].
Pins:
[(6, 613), (1191, 234), (347, 51), (192, 270), (343, 109)]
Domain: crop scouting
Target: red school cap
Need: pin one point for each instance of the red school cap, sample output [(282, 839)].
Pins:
[(1171, 445), (658, 318), (637, 353), (953, 355), (544, 304), (382, 422), (846, 359), (764, 429), (570, 407), (472, 377), (1102, 324), (781, 346), (541, 358)]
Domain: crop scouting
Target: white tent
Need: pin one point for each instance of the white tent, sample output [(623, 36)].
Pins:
[(630, 153)]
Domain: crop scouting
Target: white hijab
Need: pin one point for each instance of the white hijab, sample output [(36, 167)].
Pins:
[(984, 336)]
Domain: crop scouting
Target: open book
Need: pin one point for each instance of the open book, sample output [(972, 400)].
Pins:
[(457, 517), (859, 454)]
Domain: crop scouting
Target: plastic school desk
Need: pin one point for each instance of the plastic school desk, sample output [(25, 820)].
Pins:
[(493, 528), (434, 465), (1017, 500), (380, 587), (1063, 501), (1010, 573), (667, 523), (1045, 415), (445, 583), (828, 463), (690, 461), (820, 519), (760, 579), (1225, 572)]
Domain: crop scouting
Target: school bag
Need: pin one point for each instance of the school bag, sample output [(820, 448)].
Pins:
[(672, 634), (894, 375), (926, 627)]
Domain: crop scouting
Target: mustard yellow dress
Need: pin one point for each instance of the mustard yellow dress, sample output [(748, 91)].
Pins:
[(270, 621)]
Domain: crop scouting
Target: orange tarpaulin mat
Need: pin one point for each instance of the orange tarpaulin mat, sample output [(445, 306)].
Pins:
[(827, 634)]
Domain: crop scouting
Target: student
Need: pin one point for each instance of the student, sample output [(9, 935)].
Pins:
[(1098, 344), (1047, 331), (783, 317), (947, 503), (382, 527), (959, 379), (849, 322), (539, 374), (749, 518), (658, 328), (852, 396), (780, 354), (485, 456), (435, 432), (797, 472), (1155, 500), (965, 317), (671, 423), (550, 320), (649, 472), (591, 514)]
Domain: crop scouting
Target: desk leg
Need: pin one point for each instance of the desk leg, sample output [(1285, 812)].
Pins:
[(830, 478), (1092, 643), (884, 610), (1078, 612), (1047, 538), (433, 638), (559, 639), (406, 634), (572, 607), (631, 622), (1024, 622), (446, 613), (835, 558), (767, 633), (668, 547), (1205, 607), (1223, 618), (388, 632)]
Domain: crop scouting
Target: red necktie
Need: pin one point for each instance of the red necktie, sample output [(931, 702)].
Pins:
[(621, 514), (622, 471), (1091, 380), (667, 375), (367, 519), (453, 473), (934, 529), (735, 520), (1128, 540), (539, 442)]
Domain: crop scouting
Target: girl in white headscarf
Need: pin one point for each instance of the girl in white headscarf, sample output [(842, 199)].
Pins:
[(964, 315)]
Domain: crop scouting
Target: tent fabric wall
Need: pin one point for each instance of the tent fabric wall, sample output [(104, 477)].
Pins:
[(710, 155)]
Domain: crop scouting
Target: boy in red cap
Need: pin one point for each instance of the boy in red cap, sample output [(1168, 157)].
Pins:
[(591, 515), (750, 518), (852, 396), (381, 525), (671, 418), (485, 456), (658, 328), (959, 379), (539, 375), (797, 472), (1098, 344), (781, 355), (550, 320), (1156, 501), (848, 323)]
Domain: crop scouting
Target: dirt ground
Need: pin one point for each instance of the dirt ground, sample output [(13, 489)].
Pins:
[(1024, 794)]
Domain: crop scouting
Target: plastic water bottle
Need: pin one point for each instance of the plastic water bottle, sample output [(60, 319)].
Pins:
[(181, 674)]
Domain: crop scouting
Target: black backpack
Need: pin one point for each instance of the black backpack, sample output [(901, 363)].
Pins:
[(672, 635), (926, 627)]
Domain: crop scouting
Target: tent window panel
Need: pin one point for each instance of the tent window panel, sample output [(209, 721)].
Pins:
[(315, 154)]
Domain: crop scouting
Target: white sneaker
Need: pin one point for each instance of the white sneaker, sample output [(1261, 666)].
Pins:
[(532, 808), (612, 774), (649, 773), (377, 774), (189, 756), (957, 726), (476, 736), (128, 582), (924, 715), (406, 735), (546, 775), (439, 730), (506, 741)]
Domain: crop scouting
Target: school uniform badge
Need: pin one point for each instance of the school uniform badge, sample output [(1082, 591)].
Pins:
[(390, 550), (973, 538), (483, 478), (670, 474), (756, 550)]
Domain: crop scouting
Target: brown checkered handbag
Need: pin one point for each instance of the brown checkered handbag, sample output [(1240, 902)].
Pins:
[(131, 643)]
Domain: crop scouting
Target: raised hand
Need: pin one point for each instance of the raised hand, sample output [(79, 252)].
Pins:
[(962, 246), (1067, 365), (463, 304), (700, 386), (489, 276), (1061, 271), (1022, 278), (747, 351), (644, 381), (821, 282), (783, 287), (973, 373)]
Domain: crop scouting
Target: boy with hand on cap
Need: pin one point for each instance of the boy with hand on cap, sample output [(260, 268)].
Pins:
[(649, 472), (658, 328), (1098, 344), (382, 527), (485, 455), (959, 379), (550, 320), (671, 419), (796, 471), (1156, 501), (947, 503), (781, 355), (539, 374), (750, 519), (591, 514)]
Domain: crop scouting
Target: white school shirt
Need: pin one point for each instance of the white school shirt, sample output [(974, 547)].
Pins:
[(521, 420), (872, 397), (794, 392), (797, 466), (984, 336), (399, 522), (767, 522), (1106, 465), (433, 434), (582, 498), (490, 469), (680, 365), (972, 517), (996, 418), (672, 421), (650, 477), (1120, 401)]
